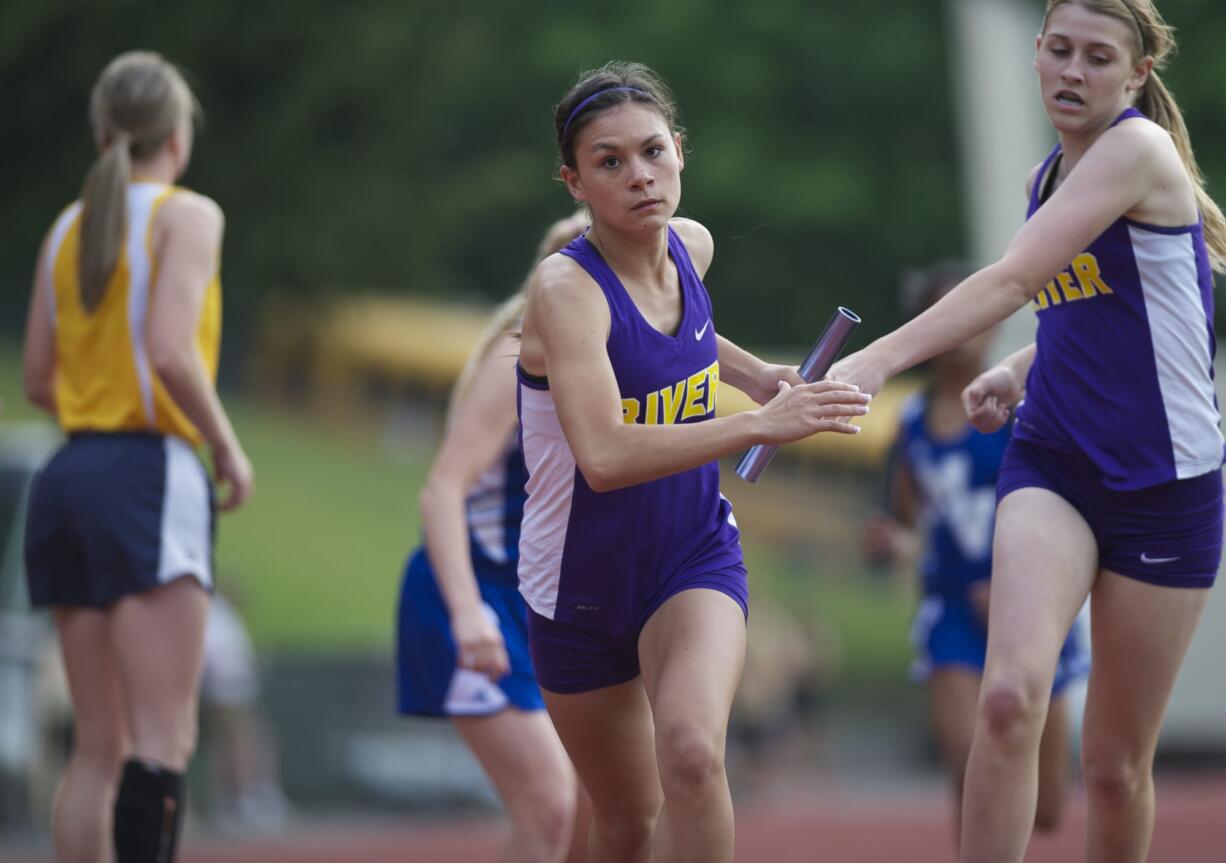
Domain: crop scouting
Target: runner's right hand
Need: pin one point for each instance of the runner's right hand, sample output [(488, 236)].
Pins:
[(479, 644), (799, 411)]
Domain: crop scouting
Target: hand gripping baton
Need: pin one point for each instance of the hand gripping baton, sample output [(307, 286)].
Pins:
[(814, 367)]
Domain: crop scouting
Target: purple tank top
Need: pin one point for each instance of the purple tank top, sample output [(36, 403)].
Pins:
[(598, 559), (1123, 375)]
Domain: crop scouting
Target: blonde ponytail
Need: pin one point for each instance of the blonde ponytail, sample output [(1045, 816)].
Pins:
[(1157, 103), (104, 218), (136, 104)]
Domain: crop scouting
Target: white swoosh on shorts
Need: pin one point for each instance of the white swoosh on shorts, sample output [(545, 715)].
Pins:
[(698, 334), (1145, 558)]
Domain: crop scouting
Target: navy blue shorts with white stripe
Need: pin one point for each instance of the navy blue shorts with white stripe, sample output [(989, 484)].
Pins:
[(117, 513)]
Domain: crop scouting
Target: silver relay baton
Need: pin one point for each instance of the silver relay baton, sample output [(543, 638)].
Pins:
[(814, 367)]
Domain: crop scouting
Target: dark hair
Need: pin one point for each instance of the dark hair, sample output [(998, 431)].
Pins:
[(923, 287), (614, 83)]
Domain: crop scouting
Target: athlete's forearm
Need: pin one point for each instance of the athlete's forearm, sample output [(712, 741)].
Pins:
[(738, 366), (446, 529), (41, 395), (38, 360), (1018, 363), (634, 453), (187, 381), (980, 302)]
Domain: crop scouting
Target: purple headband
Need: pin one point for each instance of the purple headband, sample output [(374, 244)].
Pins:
[(585, 102)]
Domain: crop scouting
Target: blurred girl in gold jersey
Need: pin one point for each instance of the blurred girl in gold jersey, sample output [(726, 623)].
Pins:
[(121, 347)]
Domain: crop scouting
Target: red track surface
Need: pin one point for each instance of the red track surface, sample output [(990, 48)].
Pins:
[(911, 828)]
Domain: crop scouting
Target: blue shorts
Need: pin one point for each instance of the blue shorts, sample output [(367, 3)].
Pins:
[(117, 513), (571, 659), (1168, 534), (428, 680), (949, 632)]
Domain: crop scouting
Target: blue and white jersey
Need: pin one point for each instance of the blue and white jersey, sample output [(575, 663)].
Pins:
[(955, 481), (495, 508), (1124, 368)]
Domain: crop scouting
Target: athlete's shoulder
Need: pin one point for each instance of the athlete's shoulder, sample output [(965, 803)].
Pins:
[(556, 272), (697, 240), (187, 209), (67, 211), (1133, 142), (559, 281), (60, 224)]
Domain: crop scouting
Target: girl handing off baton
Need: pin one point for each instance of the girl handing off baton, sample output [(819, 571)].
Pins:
[(1111, 486)]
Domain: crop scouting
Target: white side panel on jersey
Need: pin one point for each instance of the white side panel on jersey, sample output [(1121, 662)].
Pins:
[(62, 224), (1180, 333), (186, 530), (140, 269), (551, 487), (486, 506), (731, 514)]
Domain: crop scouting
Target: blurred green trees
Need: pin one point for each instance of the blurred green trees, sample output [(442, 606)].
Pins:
[(408, 145)]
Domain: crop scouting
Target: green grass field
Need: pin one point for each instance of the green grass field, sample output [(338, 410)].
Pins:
[(314, 558)]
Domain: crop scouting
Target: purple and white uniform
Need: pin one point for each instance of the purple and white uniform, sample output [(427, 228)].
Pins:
[(1121, 395), (595, 566)]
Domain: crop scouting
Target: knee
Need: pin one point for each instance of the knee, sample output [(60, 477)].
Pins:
[(1115, 780), (691, 763), (1011, 710), (171, 744), (626, 835), (103, 749), (547, 821)]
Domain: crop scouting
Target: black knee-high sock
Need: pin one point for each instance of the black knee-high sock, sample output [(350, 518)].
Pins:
[(148, 812)]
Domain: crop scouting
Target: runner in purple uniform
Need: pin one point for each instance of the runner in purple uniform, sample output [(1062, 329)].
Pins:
[(630, 560), (1111, 486)]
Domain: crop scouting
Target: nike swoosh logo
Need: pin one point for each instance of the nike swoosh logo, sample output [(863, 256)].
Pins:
[(1145, 558), (698, 334)]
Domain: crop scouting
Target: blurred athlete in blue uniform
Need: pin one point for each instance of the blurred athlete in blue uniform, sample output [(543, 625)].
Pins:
[(462, 641), (121, 346), (1111, 486), (942, 490), (630, 559)]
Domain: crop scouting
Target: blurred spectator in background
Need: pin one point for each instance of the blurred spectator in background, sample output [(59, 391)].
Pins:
[(245, 792)]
